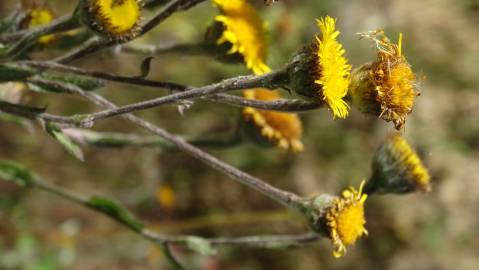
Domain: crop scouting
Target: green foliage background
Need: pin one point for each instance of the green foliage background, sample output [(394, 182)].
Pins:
[(438, 230)]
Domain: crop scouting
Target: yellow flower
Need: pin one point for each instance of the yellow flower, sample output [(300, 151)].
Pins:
[(245, 31), (282, 129), (165, 195), (118, 19), (38, 17), (331, 70), (345, 219), (398, 169), (386, 87)]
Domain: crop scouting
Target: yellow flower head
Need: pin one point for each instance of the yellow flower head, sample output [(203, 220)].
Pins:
[(398, 169), (282, 129), (331, 69), (389, 82), (165, 195), (117, 19), (345, 219), (245, 31), (38, 17)]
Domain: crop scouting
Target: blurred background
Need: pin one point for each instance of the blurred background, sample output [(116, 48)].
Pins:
[(176, 194)]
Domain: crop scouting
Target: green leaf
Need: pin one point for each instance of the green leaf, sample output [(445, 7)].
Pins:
[(12, 171), (200, 245), (14, 72), (85, 83), (116, 211), (145, 67), (65, 141)]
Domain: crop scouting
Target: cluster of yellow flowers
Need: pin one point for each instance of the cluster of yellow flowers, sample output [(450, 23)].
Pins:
[(386, 87)]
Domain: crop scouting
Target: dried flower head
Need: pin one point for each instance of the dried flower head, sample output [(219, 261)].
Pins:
[(345, 219), (281, 129), (386, 87), (116, 19), (397, 168), (38, 17), (245, 31), (321, 71)]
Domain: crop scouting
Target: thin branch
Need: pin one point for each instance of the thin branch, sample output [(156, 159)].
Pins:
[(97, 44), (263, 241), (52, 66), (285, 198), (272, 80), (29, 37), (284, 105), (183, 49)]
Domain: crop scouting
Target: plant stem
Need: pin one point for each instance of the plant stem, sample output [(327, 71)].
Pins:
[(183, 49), (97, 44), (285, 198), (29, 37)]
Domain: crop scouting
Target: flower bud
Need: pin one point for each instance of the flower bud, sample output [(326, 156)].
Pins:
[(397, 169)]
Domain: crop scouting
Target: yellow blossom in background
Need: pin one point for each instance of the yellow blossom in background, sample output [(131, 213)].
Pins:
[(282, 129), (166, 197), (398, 169), (388, 82), (245, 31), (331, 68), (345, 219), (118, 19), (38, 17)]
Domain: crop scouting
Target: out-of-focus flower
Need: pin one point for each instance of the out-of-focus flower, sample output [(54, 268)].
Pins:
[(166, 197), (397, 169), (387, 86), (281, 129), (41, 16), (116, 19), (344, 220), (321, 71), (269, 2), (245, 32), (12, 92)]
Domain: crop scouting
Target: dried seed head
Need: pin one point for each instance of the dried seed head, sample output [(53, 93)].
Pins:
[(387, 86)]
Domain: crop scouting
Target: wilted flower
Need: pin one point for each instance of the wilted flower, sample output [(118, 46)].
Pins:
[(321, 71), (279, 128), (387, 86), (397, 169), (116, 19), (245, 32)]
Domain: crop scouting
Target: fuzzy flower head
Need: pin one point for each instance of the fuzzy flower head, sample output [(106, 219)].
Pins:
[(117, 19), (245, 31), (397, 169), (38, 17), (386, 87), (345, 219), (331, 70), (281, 129)]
